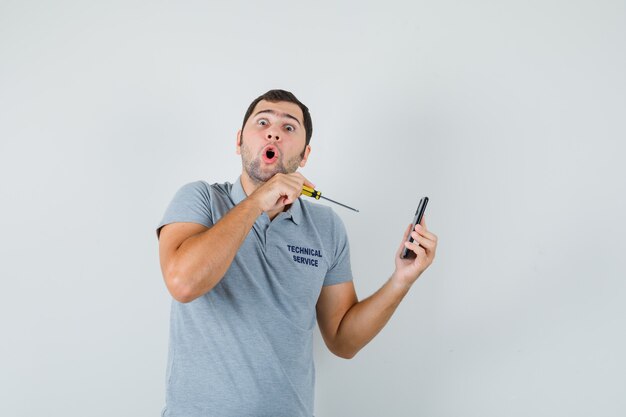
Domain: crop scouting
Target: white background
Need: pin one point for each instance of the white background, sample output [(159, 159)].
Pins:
[(508, 115)]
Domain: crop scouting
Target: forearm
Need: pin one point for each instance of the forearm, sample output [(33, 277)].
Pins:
[(203, 259), (365, 319)]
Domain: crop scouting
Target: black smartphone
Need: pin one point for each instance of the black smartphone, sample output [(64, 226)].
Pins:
[(419, 213)]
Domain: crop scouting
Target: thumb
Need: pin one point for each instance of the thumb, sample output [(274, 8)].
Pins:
[(406, 236)]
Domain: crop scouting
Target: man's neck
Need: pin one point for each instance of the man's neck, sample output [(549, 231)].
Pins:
[(249, 186)]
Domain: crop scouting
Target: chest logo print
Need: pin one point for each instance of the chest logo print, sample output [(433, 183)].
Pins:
[(312, 255)]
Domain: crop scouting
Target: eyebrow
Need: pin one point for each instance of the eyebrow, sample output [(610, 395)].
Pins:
[(274, 112)]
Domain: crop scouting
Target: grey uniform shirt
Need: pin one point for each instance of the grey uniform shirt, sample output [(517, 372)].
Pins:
[(245, 348)]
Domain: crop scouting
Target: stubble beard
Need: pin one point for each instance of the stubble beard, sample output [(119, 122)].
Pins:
[(253, 166)]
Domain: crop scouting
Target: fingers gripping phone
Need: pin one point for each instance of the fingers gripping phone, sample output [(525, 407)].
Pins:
[(419, 213)]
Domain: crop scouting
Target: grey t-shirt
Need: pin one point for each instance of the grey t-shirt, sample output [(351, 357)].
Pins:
[(245, 348)]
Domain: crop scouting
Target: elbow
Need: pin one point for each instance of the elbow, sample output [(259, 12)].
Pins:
[(345, 352), (179, 286), (183, 296), (346, 355), (180, 291)]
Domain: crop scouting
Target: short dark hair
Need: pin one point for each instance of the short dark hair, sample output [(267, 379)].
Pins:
[(282, 95)]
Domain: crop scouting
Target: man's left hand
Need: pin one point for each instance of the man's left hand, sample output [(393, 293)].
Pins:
[(421, 254)]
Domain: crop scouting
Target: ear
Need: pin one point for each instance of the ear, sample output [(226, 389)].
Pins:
[(238, 142), (307, 151)]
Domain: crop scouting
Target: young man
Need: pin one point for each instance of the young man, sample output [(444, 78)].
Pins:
[(252, 267)]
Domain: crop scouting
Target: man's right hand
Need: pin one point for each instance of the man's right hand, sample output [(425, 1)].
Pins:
[(279, 191), (195, 258)]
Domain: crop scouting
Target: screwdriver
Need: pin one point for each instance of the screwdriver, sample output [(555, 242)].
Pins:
[(310, 192)]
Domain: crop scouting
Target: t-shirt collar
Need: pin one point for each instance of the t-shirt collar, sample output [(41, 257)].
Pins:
[(236, 192), (238, 195)]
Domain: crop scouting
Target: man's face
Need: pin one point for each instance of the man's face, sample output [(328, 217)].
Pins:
[(273, 140)]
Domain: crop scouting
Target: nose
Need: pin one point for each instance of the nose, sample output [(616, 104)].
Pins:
[(270, 136)]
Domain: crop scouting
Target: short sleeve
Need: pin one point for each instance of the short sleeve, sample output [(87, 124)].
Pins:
[(192, 204), (340, 269)]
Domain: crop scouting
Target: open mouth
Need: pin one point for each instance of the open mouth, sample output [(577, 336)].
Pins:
[(270, 154)]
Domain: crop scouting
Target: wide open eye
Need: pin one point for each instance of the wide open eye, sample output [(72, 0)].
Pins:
[(290, 128), (263, 122)]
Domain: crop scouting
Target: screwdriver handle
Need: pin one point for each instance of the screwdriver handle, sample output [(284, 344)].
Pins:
[(310, 192)]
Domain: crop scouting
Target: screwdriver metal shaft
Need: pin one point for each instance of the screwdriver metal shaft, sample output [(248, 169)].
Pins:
[(310, 192)]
